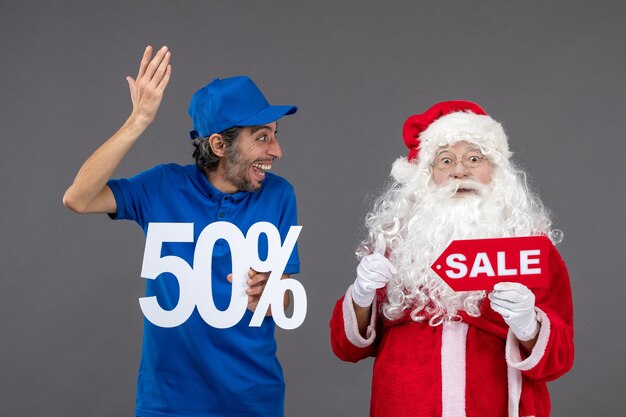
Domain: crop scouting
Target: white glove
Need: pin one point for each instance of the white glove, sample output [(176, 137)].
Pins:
[(516, 303), (373, 272)]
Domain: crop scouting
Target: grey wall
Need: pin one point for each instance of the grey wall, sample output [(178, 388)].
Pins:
[(70, 323)]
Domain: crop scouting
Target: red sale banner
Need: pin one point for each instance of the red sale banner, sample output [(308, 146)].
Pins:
[(479, 264)]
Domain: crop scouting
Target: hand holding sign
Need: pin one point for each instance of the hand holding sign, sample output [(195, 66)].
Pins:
[(255, 285), (516, 304), (274, 292), (373, 272)]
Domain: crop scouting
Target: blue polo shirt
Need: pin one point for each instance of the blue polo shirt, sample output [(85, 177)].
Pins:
[(195, 369)]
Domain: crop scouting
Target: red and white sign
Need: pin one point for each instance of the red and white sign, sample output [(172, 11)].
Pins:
[(479, 264)]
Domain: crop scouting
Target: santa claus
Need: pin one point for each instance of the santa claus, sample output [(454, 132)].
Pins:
[(440, 352)]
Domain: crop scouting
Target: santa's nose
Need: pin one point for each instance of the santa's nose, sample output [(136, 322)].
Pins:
[(459, 170)]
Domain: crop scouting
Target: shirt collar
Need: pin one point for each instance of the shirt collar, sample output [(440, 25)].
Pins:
[(212, 192)]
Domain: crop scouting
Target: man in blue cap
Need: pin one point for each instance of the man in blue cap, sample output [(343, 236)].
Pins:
[(189, 368)]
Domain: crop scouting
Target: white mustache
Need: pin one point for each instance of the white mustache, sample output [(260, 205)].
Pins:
[(452, 186)]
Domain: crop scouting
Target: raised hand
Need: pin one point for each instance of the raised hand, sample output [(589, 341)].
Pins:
[(373, 272), (146, 91)]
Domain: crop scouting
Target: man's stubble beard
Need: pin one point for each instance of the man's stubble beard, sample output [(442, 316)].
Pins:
[(236, 170)]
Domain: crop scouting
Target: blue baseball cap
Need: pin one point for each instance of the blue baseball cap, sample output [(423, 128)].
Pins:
[(229, 102)]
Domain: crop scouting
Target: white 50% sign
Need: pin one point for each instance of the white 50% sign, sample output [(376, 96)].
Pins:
[(195, 282)]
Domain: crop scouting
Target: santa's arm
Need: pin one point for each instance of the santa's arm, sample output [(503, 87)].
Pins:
[(363, 317), (553, 352), (352, 326), (349, 343)]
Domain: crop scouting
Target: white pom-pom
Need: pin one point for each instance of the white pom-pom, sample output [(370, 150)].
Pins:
[(403, 171)]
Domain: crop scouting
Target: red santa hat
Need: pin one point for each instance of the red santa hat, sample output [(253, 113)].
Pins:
[(449, 122)]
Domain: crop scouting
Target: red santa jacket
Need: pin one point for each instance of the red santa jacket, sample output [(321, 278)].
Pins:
[(474, 367)]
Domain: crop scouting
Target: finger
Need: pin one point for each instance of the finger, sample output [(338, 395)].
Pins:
[(505, 305), (131, 86), (374, 259), (229, 277), (512, 305), (147, 54), (379, 275), (511, 286), (509, 302), (160, 71), (503, 312), (379, 263), (391, 267), (154, 64), (258, 279), (512, 296), (166, 78), (255, 291), (374, 285), (380, 244)]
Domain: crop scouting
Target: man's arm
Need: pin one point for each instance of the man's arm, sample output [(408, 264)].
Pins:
[(89, 192)]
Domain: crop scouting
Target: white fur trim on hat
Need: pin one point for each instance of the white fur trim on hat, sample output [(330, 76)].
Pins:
[(464, 126)]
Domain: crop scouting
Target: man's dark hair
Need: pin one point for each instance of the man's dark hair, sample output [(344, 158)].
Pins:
[(204, 156)]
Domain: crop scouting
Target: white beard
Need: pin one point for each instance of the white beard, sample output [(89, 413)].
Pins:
[(420, 222)]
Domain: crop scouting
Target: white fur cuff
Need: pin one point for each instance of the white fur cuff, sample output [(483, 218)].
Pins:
[(512, 350), (351, 326)]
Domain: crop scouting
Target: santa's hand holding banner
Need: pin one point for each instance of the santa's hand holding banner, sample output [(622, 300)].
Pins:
[(441, 352)]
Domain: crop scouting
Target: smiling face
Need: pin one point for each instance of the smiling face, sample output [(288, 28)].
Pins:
[(246, 160), (464, 163)]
